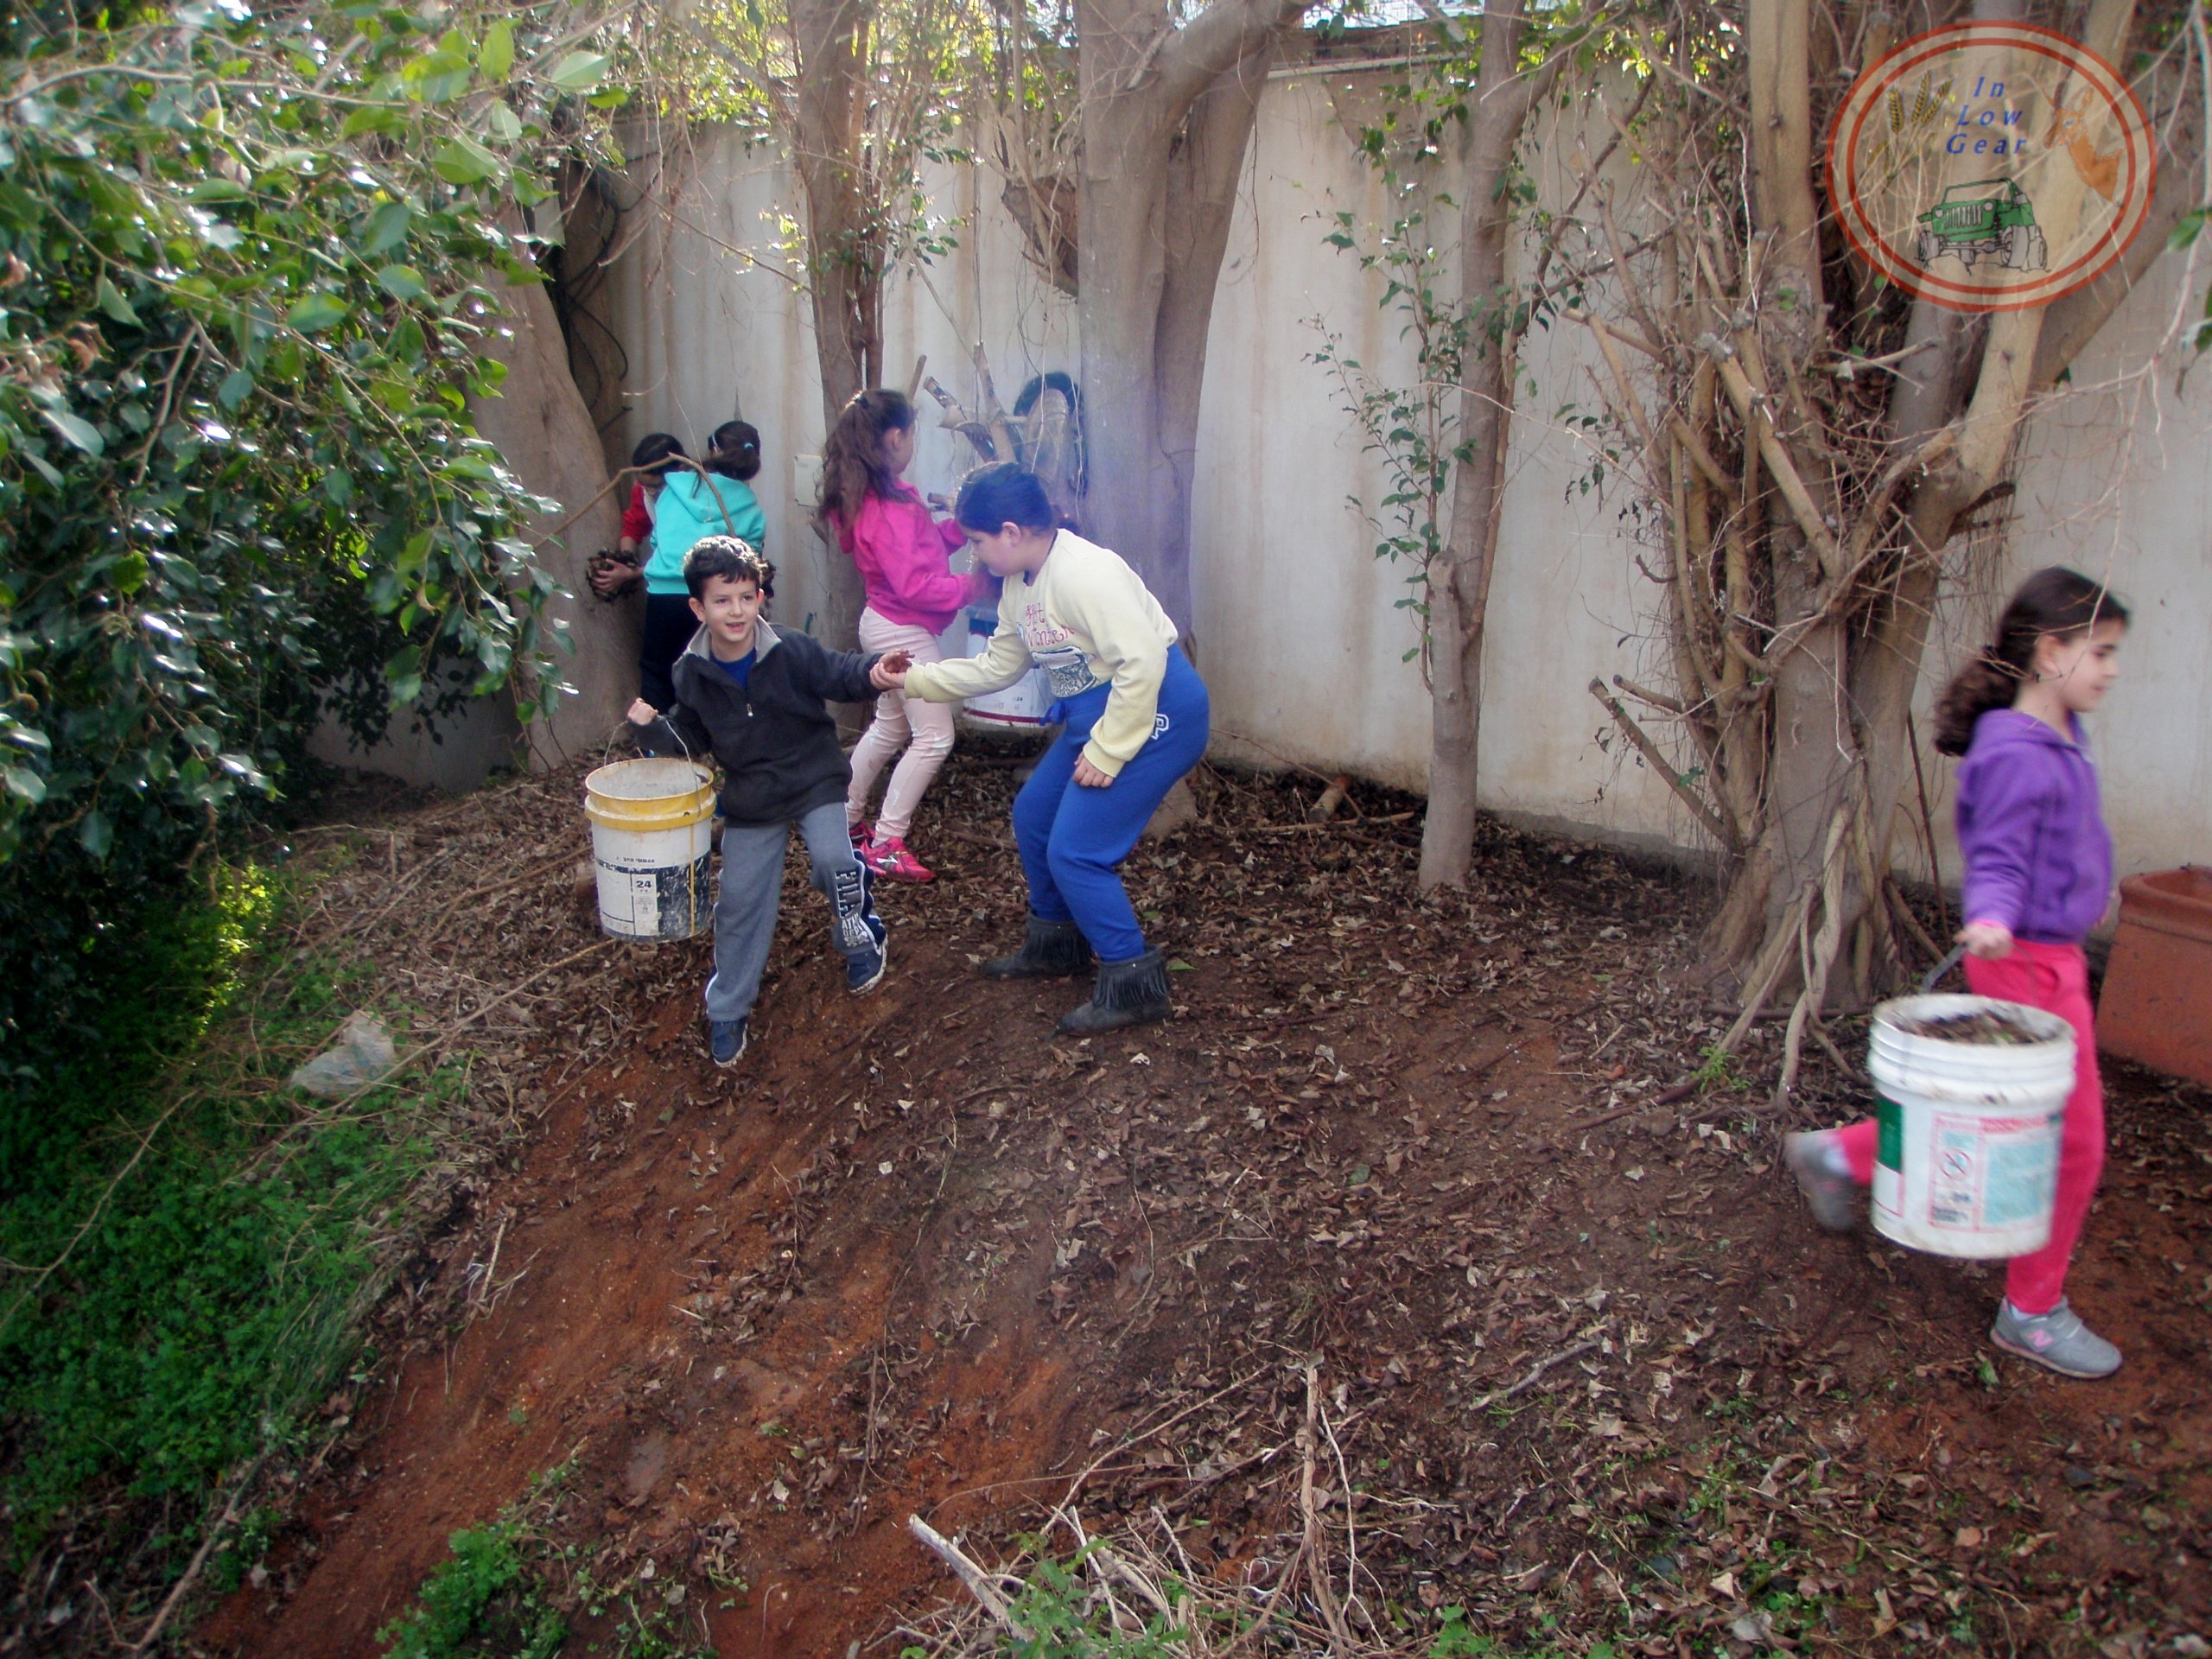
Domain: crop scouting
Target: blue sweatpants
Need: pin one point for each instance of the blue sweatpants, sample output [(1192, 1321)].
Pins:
[(1073, 839)]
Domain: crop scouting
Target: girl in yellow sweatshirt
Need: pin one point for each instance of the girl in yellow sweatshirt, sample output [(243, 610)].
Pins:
[(1135, 721)]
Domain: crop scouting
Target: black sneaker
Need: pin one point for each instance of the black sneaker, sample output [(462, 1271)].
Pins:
[(726, 1039)]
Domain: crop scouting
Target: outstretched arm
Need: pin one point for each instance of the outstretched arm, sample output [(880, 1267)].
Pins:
[(1005, 661)]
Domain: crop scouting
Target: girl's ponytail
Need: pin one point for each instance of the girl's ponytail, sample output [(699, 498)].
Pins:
[(1983, 684), (735, 451), (2054, 601), (852, 456)]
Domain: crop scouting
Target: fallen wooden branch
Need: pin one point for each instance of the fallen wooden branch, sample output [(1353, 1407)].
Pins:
[(1497, 1397), (1324, 1592), (1307, 829), (1332, 798), (977, 1581), (1657, 758), (192, 1571), (1613, 1117)]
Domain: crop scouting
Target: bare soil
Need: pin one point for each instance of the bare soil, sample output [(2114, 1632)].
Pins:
[(1588, 1372)]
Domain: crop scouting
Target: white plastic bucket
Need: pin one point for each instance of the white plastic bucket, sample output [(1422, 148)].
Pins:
[(1965, 1161), (1022, 703), (653, 842)]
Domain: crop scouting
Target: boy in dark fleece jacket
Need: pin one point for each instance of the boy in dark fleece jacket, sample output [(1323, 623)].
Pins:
[(755, 699)]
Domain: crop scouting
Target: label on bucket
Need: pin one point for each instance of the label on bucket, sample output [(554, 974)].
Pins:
[(664, 902), (1989, 1172)]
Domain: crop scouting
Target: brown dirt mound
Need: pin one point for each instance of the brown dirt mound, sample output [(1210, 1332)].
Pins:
[(1587, 1369)]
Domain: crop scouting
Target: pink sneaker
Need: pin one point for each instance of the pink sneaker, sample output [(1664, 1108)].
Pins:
[(863, 837), (889, 857)]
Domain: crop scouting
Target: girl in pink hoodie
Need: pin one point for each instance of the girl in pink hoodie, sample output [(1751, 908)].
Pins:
[(903, 555)]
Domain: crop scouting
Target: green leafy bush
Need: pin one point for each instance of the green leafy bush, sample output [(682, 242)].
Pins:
[(244, 308), (211, 1281), (484, 1600)]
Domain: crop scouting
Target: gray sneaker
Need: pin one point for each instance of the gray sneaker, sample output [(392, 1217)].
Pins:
[(2057, 1341), (1833, 1199)]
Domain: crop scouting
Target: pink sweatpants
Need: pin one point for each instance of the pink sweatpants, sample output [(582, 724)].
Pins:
[(2055, 978), (898, 718)]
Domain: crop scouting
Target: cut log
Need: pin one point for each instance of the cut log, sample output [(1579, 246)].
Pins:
[(1332, 798)]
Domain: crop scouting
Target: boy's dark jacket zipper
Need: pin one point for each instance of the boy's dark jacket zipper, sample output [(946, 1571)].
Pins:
[(780, 757)]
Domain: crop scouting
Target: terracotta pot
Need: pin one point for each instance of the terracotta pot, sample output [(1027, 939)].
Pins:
[(2157, 1006)]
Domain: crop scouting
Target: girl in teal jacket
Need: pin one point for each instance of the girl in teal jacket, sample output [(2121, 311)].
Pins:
[(692, 505)]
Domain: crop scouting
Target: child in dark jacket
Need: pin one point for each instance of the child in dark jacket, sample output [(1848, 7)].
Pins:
[(754, 698), (2038, 877)]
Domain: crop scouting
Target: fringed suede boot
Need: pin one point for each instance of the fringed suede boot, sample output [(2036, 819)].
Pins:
[(1052, 950), (1132, 993)]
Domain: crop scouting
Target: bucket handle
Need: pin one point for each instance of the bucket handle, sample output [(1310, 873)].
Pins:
[(1928, 979), (624, 727)]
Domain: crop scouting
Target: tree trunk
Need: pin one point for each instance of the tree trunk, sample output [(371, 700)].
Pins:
[(1842, 753), (1122, 276), (1204, 167), (1814, 748), (844, 267), (1166, 115), (1459, 594), (546, 437)]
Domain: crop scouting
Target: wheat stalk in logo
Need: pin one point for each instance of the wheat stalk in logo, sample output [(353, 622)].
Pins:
[(1910, 136)]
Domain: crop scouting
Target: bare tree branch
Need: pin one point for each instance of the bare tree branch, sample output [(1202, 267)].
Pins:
[(1211, 43)]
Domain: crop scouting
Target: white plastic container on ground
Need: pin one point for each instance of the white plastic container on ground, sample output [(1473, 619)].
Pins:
[(1967, 1154), (652, 844)]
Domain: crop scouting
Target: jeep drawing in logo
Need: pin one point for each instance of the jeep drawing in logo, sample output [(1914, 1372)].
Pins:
[(1991, 218), (1990, 166)]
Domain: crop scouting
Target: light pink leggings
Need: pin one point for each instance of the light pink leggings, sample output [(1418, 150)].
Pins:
[(2055, 978), (897, 719)]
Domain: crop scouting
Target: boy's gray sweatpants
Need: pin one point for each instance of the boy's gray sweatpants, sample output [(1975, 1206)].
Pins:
[(753, 883)]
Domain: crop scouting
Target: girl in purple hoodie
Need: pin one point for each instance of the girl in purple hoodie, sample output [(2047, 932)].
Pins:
[(2038, 877), (903, 555)]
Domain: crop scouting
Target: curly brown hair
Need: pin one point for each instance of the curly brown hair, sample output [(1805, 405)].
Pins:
[(730, 558)]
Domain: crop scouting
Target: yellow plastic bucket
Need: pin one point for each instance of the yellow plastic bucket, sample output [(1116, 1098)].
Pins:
[(652, 844)]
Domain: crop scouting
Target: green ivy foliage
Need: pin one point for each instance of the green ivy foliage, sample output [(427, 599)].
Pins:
[(246, 264)]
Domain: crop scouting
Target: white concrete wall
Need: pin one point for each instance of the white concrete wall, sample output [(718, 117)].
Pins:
[(1295, 623)]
